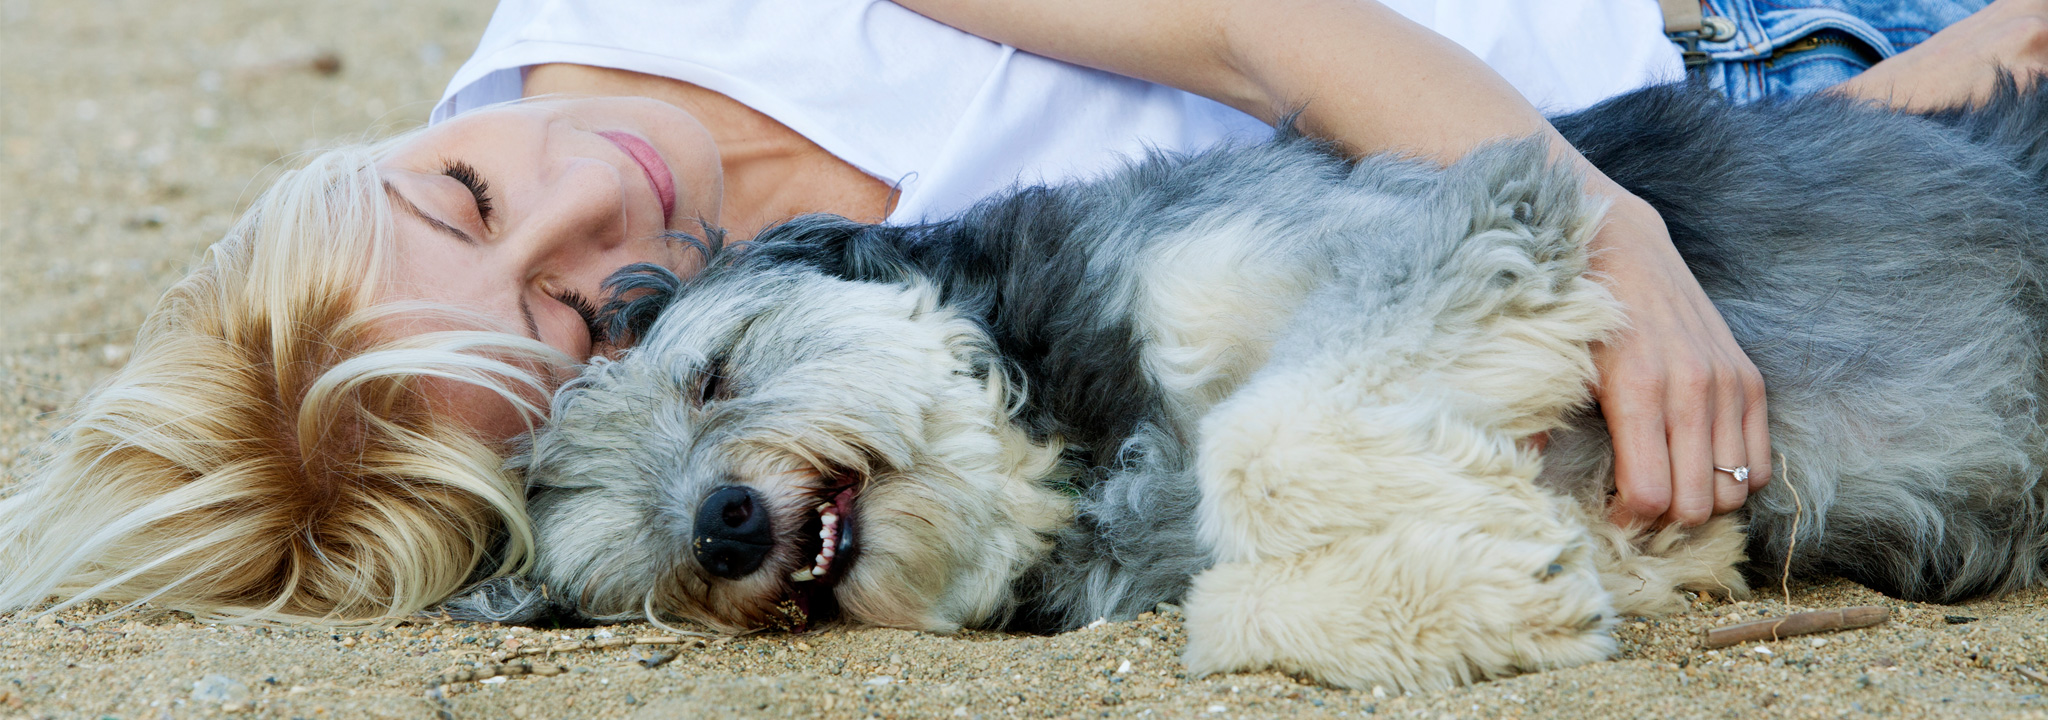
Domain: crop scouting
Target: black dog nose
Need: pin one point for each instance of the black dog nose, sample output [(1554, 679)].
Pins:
[(732, 533)]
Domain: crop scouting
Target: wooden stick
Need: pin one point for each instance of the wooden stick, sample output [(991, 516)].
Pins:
[(1797, 624)]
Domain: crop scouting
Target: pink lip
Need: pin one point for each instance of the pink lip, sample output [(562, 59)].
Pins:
[(658, 174)]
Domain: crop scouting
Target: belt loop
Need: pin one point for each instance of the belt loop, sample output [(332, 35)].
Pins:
[(1682, 23)]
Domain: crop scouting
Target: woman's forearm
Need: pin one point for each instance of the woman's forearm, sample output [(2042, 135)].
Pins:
[(1359, 73)]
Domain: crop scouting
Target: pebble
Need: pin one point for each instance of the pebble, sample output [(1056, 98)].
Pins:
[(219, 689)]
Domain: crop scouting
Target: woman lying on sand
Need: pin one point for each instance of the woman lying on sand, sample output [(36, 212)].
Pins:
[(311, 424)]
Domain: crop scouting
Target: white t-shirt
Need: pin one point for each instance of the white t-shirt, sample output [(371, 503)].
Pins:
[(951, 118)]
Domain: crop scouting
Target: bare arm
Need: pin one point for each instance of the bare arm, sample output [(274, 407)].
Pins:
[(1679, 395), (1959, 64)]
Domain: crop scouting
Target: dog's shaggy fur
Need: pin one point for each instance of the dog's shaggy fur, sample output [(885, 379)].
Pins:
[(1296, 393)]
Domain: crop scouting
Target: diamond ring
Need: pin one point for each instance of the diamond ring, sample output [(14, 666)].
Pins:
[(1741, 472)]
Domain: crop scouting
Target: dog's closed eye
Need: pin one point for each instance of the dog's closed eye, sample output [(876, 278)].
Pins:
[(711, 382)]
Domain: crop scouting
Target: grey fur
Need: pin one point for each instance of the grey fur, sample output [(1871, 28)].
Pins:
[(1883, 270)]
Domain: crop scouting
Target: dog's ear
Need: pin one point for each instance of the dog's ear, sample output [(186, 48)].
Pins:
[(511, 600), (637, 295)]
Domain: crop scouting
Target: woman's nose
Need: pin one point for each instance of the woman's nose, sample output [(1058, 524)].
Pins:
[(582, 206)]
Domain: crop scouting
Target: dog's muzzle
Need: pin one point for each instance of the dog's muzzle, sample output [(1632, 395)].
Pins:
[(733, 535)]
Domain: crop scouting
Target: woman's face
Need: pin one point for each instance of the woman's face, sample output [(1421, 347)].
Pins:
[(520, 213)]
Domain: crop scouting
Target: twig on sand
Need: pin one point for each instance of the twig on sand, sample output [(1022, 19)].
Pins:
[(480, 674), (604, 644), (2031, 674), (486, 672), (1797, 624)]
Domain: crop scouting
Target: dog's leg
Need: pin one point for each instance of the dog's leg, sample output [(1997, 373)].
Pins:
[(1423, 605), (1395, 544), (1376, 462)]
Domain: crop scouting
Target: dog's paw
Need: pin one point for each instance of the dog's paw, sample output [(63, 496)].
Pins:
[(1422, 606), (1646, 570)]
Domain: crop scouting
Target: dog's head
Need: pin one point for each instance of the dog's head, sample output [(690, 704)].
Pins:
[(781, 447)]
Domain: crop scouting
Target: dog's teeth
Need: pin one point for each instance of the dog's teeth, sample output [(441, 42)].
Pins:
[(803, 575), (828, 552), (825, 508)]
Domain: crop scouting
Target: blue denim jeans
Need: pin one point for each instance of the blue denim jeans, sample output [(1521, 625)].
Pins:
[(1786, 48)]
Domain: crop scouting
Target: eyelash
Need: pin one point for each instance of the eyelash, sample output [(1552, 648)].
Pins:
[(467, 175), (588, 312)]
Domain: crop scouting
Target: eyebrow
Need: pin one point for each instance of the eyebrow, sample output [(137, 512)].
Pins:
[(525, 308)]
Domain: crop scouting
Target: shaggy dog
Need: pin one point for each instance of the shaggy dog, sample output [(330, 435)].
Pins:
[(1296, 393)]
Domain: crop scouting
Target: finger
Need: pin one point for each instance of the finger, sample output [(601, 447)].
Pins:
[(1729, 451), (1692, 461), (1642, 465), (1756, 433)]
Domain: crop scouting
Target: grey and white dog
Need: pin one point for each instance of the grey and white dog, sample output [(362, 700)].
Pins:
[(1296, 393)]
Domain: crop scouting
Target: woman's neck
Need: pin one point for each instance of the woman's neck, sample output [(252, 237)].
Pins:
[(771, 172)]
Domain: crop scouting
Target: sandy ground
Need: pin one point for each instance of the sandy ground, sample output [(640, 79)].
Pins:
[(132, 131)]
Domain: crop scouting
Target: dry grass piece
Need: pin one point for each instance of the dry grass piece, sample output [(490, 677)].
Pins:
[(2031, 674), (486, 672), (690, 638)]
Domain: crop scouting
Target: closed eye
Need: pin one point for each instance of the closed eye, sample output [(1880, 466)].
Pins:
[(588, 312), (466, 174), (712, 385)]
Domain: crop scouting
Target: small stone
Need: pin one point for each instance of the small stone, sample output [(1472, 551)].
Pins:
[(48, 621), (219, 689), (1379, 691), (653, 660), (1213, 709), (1819, 642), (1957, 619), (326, 63), (1761, 650), (1123, 667), (880, 680), (232, 708)]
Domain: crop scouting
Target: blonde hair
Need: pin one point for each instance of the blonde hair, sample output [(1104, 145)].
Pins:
[(269, 453)]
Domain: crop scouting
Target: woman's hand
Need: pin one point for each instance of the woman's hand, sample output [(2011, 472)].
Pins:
[(1679, 395), (1959, 64)]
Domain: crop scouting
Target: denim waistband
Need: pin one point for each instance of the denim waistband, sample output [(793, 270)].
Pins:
[(1755, 63)]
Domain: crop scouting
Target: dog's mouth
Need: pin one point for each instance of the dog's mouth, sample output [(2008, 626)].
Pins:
[(829, 541)]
